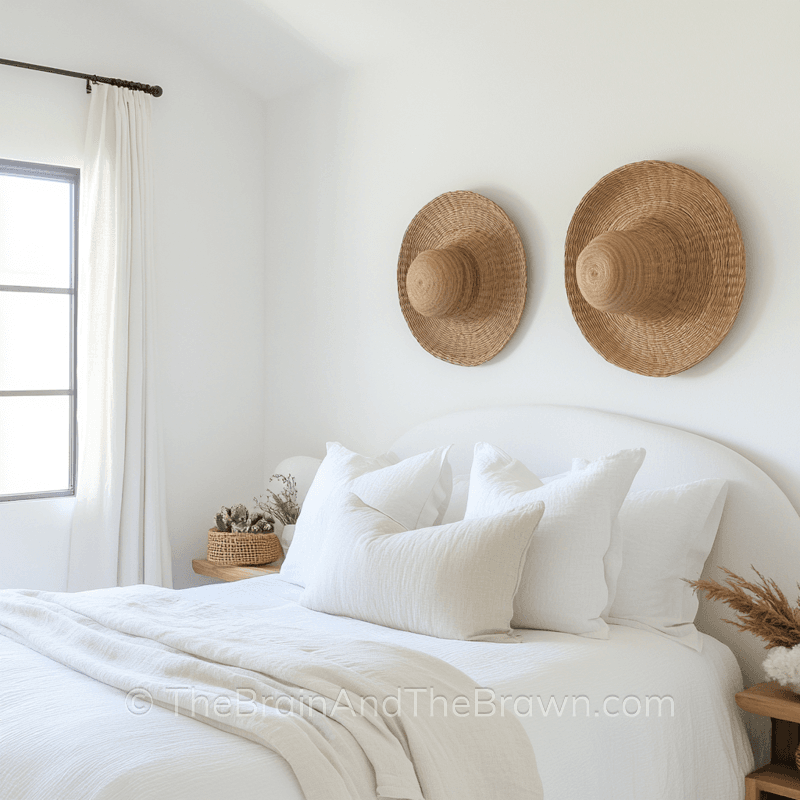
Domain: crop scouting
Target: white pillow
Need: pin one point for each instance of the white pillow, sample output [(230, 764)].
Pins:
[(563, 586), (667, 536), (414, 492), (453, 581), (612, 560)]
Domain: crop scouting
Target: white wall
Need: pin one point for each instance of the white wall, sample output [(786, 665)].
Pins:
[(208, 138), (530, 104)]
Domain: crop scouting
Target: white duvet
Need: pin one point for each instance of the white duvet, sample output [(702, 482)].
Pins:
[(583, 704), (349, 717)]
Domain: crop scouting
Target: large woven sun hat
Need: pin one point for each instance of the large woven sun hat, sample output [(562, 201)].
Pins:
[(655, 267), (462, 278)]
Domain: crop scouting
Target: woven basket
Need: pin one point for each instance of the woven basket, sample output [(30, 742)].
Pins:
[(243, 549)]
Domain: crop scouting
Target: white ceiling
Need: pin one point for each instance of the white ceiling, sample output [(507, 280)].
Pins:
[(356, 32), (278, 46), (243, 38)]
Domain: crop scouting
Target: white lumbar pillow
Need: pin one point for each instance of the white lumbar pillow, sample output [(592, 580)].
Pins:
[(667, 535), (454, 581), (563, 586), (414, 492)]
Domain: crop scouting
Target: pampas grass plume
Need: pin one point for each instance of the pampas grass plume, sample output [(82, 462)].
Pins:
[(760, 606)]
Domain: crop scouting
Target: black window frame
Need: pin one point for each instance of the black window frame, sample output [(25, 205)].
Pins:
[(71, 176)]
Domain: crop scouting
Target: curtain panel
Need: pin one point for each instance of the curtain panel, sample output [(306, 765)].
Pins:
[(119, 532)]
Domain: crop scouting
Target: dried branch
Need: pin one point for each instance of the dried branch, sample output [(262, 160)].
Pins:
[(282, 506)]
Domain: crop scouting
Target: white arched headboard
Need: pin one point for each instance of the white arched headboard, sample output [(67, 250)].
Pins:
[(759, 525)]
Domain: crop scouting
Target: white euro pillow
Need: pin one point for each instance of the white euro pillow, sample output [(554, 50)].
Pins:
[(563, 586), (667, 535), (454, 581), (414, 492)]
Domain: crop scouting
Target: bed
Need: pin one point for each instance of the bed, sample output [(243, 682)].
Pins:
[(66, 735)]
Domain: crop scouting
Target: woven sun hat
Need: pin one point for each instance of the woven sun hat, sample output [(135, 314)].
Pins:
[(655, 267), (462, 278)]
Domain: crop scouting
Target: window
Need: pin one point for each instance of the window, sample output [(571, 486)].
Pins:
[(38, 281)]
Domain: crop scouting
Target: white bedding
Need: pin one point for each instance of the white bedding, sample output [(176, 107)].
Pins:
[(701, 751), (339, 712)]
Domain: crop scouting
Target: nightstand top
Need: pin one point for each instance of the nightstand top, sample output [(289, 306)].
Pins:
[(203, 566), (770, 700)]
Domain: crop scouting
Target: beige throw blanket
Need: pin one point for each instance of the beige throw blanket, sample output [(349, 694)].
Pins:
[(352, 718)]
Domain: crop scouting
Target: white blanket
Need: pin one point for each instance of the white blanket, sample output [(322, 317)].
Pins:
[(255, 675)]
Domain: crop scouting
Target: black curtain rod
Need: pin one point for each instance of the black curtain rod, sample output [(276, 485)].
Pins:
[(156, 91)]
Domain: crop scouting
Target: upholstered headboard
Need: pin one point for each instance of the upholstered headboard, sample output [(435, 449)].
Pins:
[(759, 525)]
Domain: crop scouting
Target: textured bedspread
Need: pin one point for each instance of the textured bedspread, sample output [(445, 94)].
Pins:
[(351, 718)]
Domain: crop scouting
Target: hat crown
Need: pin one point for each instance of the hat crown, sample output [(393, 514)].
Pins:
[(443, 283), (635, 271)]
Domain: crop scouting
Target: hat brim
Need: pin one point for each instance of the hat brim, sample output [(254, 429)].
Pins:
[(475, 223), (710, 288)]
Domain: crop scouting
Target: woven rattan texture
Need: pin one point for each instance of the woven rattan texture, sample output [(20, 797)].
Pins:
[(243, 549), (483, 278), (673, 279)]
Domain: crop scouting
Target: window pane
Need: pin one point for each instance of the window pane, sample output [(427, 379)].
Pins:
[(35, 232), (34, 444), (34, 341)]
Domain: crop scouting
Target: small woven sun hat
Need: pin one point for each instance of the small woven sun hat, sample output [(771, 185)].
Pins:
[(655, 267), (462, 278)]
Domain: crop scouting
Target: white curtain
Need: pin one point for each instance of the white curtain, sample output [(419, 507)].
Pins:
[(119, 533)]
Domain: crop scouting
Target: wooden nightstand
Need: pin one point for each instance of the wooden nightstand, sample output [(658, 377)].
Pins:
[(780, 776), (204, 567)]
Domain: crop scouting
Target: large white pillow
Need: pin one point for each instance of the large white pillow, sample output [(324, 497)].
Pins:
[(454, 581), (414, 492), (667, 535), (612, 561), (563, 586)]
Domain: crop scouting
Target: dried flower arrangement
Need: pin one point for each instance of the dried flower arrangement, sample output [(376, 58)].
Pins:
[(763, 610), (282, 506), (238, 519)]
